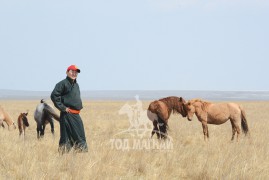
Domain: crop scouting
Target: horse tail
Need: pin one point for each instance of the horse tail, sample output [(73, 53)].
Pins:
[(163, 127), (51, 111), (244, 123)]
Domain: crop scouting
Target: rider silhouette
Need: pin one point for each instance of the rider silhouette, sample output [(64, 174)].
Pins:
[(137, 108)]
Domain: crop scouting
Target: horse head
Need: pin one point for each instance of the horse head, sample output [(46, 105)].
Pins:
[(11, 123), (190, 110), (181, 107), (24, 119), (14, 125)]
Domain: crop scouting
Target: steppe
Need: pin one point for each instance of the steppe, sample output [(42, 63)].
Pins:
[(189, 157)]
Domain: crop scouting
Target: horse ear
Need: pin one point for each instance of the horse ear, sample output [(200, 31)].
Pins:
[(182, 100)]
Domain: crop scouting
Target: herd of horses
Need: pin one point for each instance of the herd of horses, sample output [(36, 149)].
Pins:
[(206, 112), (43, 115), (158, 112)]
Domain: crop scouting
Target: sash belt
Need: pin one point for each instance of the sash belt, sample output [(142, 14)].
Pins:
[(73, 111)]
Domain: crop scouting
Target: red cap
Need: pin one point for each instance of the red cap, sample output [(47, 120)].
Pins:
[(74, 68)]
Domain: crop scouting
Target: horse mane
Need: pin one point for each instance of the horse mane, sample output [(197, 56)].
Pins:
[(204, 104), (172, 103)]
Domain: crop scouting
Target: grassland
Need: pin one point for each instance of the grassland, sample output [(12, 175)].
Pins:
[(190, 157)]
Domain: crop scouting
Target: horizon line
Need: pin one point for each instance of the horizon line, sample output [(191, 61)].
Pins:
[(141, 90)]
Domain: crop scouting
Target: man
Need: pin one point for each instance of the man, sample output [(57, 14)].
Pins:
[(66, 98)]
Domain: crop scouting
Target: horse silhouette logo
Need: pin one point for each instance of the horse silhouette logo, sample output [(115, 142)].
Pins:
[(140, 125)]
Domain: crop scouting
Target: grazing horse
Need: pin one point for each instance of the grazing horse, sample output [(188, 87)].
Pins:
[(4, 116), (23, 123), (43, 115), (159, 112), (211, 113)]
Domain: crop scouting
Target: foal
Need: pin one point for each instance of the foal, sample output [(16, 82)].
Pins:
[(23, 123)]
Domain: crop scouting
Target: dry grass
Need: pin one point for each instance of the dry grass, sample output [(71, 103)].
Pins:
[(190, 158)]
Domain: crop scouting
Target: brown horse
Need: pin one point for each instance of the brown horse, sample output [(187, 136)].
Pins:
[(159, 112), (210, 113), (4, 116), (23, 123)]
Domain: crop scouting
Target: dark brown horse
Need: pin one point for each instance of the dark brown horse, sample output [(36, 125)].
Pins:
[(23, 123), (159, 112)]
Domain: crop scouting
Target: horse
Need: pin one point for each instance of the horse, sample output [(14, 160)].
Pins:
[(159, 112), (23, 123), (43, 115), (4, 116), (212, 113)]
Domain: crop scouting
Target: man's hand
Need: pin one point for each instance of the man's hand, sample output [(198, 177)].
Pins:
[(67, 110)]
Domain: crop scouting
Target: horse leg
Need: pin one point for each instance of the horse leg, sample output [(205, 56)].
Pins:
[(2, 122), (24, 131), (38, 130), (20, 130), (37, 133), (52, 126), (233, 130), (237, 127), (205, 130), (155, 129), (43, 130), (162, 127), (164, 130)]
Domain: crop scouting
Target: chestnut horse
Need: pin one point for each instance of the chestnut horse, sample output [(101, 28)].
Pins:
[(4, 116), (211, 113), (22, 123), (43, 115), (160, 110)]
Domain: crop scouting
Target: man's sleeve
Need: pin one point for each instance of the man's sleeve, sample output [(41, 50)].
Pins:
[(56, 97)]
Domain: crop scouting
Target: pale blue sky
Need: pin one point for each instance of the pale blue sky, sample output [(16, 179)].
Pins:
[(135, 45)]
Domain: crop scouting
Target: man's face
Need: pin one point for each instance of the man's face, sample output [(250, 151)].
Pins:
[(72, 74)]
